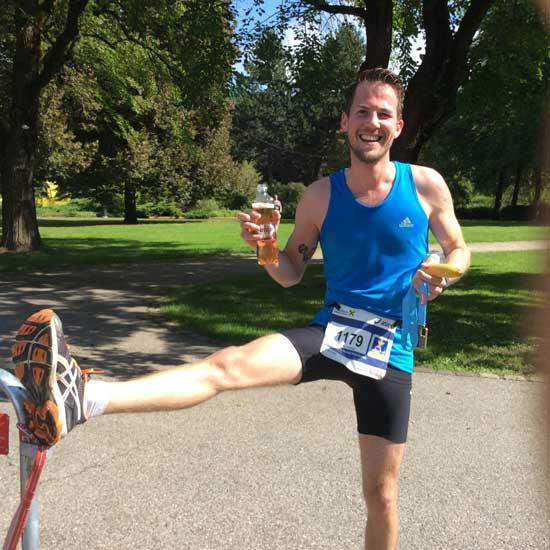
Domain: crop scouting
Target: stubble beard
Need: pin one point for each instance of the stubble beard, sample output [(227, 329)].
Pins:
[(369, 157)]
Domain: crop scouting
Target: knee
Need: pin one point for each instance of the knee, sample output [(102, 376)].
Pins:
[(229, 368), (381, 498)]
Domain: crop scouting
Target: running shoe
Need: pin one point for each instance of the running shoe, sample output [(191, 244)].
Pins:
[(52, 377)]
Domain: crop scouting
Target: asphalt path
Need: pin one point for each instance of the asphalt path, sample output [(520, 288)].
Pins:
[(269, 468)]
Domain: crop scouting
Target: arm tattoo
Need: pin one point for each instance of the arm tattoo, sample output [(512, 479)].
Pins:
[(306, 253)]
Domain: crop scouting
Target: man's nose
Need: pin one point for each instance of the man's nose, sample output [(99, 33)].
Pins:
[(373, 120)]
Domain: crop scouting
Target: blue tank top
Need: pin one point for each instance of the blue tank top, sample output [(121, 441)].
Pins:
[(372, 252)]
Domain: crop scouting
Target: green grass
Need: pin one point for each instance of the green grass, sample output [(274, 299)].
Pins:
[(476, 326), (483, 322), (487, 231), (83, 243), (97, 242)]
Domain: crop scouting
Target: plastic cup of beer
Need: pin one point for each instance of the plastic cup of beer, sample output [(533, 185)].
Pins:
[(267, 250)]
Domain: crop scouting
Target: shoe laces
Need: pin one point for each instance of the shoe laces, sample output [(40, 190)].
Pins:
[(87, 372)]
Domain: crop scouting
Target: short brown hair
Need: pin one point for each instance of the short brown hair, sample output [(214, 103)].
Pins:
[(381, 75)]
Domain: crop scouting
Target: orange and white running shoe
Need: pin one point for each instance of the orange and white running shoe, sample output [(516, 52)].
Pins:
[(52, 377)]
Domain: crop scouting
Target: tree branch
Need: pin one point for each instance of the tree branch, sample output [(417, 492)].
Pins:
[(172, 67), (437, 25), (379, 26), (46, 6), (377, 17), (456, 69), (431, 94), (469, 26), (56, 55), (103, 39), (334, 9)]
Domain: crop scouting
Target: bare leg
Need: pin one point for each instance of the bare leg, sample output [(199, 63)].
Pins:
[(380, 464), (267, 361)]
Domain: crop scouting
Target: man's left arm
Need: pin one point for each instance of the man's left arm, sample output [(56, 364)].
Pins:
[(437, 200)]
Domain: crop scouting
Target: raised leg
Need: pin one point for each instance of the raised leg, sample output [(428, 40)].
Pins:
[(267, 361), (60, 396)]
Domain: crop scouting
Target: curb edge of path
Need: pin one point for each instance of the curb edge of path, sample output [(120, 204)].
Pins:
[(490, 375)]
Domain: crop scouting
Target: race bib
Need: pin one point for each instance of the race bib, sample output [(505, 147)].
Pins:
[(359, 340)]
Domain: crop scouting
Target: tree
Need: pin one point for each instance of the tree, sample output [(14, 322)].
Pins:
[(138, 117), (31, 71), (263, 118), (61, 153), (448, 27), (42, 36), (158, 102), (492, 139), (322, 71), (288, 105)]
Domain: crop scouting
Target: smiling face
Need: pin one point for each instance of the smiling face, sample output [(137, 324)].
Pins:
[(373, 121)]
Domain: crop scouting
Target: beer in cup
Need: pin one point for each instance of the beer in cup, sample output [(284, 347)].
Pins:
[(267, 249)]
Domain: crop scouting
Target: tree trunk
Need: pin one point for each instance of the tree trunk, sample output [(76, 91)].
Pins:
[(19, 224), (130, 206), (501, 186), (431, 93), (537, 180), (378, 24), (19, 135), (517, 185), (377, 17)]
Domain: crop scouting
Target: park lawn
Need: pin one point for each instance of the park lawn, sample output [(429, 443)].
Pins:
[(92, 242), (476, 231), (477, 326), (83, 243)]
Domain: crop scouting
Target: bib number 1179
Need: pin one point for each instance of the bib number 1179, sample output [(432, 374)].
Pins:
[(343, 337), (349, 338)]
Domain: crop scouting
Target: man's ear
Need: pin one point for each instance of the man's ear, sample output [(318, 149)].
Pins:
[(344, 122), (400, 124)]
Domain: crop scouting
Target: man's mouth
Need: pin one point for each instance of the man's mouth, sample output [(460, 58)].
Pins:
[(369, 138)]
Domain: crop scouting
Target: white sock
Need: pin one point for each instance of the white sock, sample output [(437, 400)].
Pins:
[(96, 398)]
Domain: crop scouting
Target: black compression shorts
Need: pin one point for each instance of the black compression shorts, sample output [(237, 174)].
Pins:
[(382, 406)]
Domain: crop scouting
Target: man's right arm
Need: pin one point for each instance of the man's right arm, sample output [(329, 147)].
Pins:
[(302, 242)]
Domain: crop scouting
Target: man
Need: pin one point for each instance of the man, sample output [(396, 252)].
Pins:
[(372, 222)]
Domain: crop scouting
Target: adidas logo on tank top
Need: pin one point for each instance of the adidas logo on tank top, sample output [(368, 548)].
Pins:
[(406, 223)]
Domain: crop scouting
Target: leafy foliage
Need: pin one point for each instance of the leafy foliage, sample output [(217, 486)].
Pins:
[(288, 105), (289, 194), (140, 111), (141, 108), (61, 155), (218, 176), (498, 108)]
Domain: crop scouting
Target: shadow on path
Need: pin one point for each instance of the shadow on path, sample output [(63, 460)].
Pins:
[(110, 314)]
